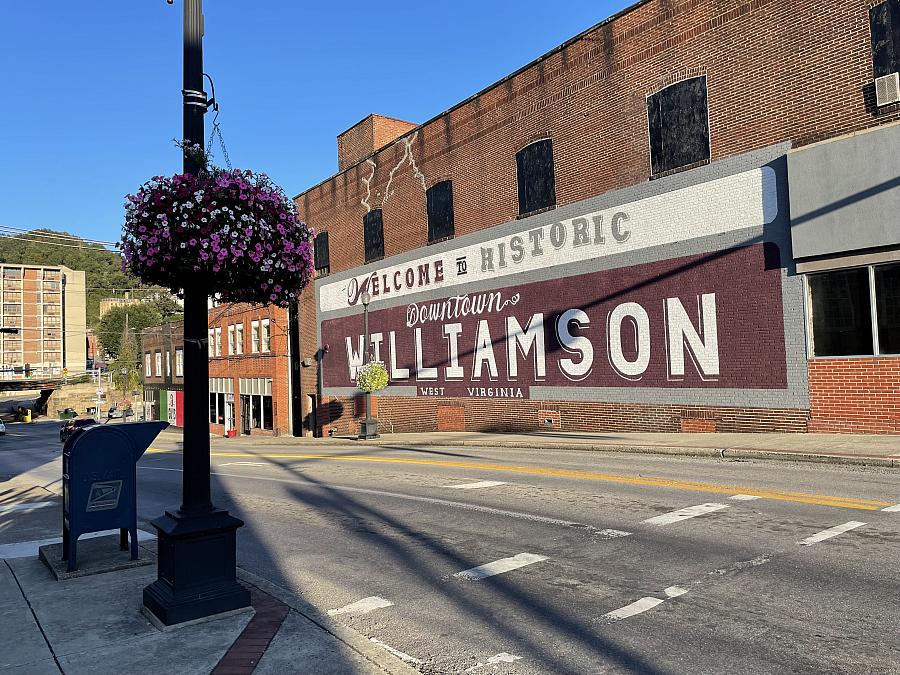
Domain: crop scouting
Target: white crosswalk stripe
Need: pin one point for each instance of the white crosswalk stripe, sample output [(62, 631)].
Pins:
[(831, 532), (500, 566), (363, 606), (475, 486), (684, 514)]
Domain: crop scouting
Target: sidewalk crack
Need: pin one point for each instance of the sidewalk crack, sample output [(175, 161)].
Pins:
[(33, 614)]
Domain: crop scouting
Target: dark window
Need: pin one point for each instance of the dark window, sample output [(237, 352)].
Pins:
[(439, 200), (887, 299), (373, 234), (321, 252), (221, 401), (841, 313), (884, 22), (679, 125), (267, 412), (255, 412), (534, 173), (212, 408)]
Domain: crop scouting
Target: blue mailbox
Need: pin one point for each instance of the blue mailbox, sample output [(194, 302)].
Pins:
[(99, 482)]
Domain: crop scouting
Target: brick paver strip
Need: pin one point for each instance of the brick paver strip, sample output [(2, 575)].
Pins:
[(244, 655)]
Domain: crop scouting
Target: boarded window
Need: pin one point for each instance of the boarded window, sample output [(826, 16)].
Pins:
[(884, 22), (534, 172), (439, 200), (373, 235), (679, 125), (321, 249)]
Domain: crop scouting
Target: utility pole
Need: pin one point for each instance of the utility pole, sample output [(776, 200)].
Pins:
[(197, 542)]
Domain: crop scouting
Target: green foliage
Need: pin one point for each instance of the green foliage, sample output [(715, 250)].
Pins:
[(103, 268), (126, 368), (372, 377), (140, 316), (168, 309)]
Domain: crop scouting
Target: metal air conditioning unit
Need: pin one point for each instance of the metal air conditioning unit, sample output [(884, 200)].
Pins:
[(887, 89)]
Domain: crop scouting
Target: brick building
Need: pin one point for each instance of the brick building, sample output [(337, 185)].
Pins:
[(47, 305), (249, 372), (163, 372), (683, 218)]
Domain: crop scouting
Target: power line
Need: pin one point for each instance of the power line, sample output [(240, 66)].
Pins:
[(55, 235), (23, 238)]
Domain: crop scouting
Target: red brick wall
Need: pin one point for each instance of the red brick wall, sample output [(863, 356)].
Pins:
[(855, 395), (481, 414), (767, 64), (274, 364), (777, 71), (364, 138)]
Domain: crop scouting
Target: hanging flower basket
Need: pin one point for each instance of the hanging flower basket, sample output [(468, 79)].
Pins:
[(371, 377), (234, 231)]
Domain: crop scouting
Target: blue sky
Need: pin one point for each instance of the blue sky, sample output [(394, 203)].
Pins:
[(91, 90)]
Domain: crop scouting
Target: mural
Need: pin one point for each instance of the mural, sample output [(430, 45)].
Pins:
[(459, 323), (697, 321)]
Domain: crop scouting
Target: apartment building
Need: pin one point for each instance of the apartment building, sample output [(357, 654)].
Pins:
[(47, 305)]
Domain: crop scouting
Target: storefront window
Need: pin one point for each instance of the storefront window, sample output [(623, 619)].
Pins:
[(887, 302), (255, 412), (212, 408), (267, 412), (841, 313)]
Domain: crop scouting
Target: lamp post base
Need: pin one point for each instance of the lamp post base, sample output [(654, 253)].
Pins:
[(368, 429), (196, 568)]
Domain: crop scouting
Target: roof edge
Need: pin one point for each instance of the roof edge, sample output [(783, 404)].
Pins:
[(580, 36)]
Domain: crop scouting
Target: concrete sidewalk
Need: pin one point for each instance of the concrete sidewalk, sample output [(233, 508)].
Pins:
[(93, 624), (830, 448)]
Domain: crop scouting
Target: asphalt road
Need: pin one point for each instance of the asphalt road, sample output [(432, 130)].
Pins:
[(560, 561)]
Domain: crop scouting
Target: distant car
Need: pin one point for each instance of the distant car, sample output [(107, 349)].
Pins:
[(69, 426), (114, 414), (2, 428)]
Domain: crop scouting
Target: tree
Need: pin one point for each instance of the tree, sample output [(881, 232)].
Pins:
[(140, 316), (168, 308), (126, 369)]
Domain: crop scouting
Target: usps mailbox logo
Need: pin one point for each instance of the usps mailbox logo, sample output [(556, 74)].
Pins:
[(104, 495)]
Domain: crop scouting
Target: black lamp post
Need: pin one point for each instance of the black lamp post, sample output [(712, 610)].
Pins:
[(197, 541), (369, 426)]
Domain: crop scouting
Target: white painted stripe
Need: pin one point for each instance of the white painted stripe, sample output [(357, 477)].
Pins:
[(642, 605), (25, 549), (363, 606), (28, 506), (831, 532), (674, 591), (499, 566), (684, 514), (397, 495), (502, 657), (611, 534), (245, 464), (396, 652), (743, 498), (636, 607), (475, 486), (892, 509)]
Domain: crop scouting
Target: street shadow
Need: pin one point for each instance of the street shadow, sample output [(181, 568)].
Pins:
[(401, 549)]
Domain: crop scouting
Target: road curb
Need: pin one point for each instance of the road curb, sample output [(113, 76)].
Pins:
[(721, 453), (353, 639)]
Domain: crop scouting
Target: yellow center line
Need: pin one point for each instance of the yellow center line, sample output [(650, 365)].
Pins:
[(802, 497)]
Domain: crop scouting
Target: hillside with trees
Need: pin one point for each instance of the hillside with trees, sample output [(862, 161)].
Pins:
[(103, 268)]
